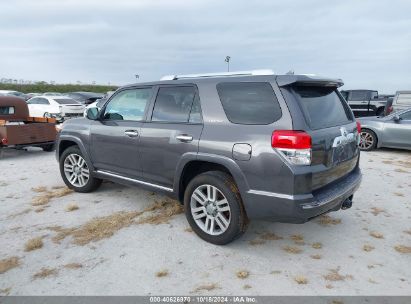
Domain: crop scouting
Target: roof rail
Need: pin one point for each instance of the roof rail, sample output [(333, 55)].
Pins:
[(220, 74)]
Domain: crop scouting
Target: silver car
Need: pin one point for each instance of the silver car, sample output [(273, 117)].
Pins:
[(393, 131)]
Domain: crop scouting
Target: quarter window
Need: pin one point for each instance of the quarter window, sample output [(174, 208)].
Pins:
[(128, 105), (173, 104), (249, 103)]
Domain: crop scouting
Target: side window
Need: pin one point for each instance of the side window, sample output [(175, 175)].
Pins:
[(6, 110), (33, 101), (173, 104), (43, 101), (406, 116), (358, 95), (249, 103), (128, 105)]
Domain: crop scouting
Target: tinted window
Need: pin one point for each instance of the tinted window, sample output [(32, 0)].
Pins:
[(6, 110), (65, 101), (128, 105), (173, 104), (251, 103), (358, 95), (38, 100), (322, 106)]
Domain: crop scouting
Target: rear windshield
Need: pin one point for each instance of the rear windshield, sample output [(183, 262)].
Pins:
[(249, 103), (66, 101), (322, 106)]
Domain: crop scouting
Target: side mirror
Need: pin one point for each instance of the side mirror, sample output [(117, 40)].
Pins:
[(92, 113), (397, 118)]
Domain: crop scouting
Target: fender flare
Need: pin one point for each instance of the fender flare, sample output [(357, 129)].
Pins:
[(225, 161), (79, 143)]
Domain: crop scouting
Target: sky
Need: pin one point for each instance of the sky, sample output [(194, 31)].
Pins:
[(365, 43)]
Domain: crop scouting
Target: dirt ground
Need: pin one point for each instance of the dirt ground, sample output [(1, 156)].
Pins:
[(127, 241)]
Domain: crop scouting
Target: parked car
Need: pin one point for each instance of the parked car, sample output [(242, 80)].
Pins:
[(59, 107), (230, 146), (365, 102), (53, 94), (30, 95), (18, 130), (13, 93), (402, 100), (85, 97), (393, 131)]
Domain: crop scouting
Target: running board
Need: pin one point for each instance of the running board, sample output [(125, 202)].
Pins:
[(134, 180)]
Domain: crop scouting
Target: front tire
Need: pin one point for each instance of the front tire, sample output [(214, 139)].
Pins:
[(368, 140), (74, 170), (214, 209)]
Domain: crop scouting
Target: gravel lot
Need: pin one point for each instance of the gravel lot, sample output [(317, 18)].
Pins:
[(361, 251)]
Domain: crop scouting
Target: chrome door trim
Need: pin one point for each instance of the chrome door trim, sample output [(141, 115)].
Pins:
[(134, 180)]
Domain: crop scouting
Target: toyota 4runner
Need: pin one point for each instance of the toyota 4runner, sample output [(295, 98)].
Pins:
[(229, 146)]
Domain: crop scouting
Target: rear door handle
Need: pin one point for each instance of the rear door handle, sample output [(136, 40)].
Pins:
[(131, 133), (184, 138)]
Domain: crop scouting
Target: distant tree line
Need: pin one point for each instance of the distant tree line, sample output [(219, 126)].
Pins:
[(41, 87)]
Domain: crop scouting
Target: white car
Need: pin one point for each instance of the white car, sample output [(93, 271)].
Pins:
[(58, 107)]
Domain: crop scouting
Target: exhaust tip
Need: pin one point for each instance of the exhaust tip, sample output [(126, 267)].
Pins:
[(347, 203)]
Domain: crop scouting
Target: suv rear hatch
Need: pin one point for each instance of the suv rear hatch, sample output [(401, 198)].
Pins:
[(330, 123)]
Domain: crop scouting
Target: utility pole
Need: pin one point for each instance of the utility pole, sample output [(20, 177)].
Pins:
[(227, 59)]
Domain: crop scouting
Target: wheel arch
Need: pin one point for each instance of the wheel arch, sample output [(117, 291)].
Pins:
[(193, 165), (375, 132), (68, 141)]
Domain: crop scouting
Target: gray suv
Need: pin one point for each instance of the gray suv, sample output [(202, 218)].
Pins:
[(229, 146)]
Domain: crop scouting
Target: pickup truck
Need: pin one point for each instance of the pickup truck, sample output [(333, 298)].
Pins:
[(366, 102), (18, 129)]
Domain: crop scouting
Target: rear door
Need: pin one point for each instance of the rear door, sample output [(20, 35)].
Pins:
[(115, 138), (173, 129), (332, 127)]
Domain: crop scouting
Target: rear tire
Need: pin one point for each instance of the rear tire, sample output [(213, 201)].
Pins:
[(75, 171), (214, 209), (368, 140)]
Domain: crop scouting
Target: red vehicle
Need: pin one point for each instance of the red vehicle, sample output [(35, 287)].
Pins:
[(18, 129)]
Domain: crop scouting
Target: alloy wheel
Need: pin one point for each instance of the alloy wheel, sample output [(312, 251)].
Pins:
[(210, 209), (76, 170), (366, 141)]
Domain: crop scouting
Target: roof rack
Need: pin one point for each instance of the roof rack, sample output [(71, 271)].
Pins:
[(220, 74)]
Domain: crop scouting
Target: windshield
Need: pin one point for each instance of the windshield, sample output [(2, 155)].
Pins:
[(322, 106)]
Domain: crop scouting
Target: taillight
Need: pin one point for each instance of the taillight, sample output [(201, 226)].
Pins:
[(4, 141), (389, 110), (294, 145), (358, 126)]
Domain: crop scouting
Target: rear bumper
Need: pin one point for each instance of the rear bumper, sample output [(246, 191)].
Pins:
[(301, 208)]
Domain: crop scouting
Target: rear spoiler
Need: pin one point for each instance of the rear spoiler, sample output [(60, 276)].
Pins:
[(308, 80)]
